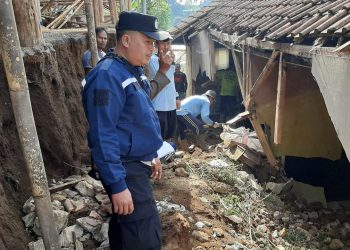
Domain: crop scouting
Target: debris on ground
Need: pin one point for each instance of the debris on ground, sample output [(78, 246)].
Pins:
[(206, 200)]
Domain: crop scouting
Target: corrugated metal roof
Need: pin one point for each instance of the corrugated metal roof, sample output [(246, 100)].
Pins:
[(272, 19)]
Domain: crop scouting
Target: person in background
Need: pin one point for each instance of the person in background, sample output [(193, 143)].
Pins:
[(193, 107), (165, 102), (101, 40), (180, 82), (124, 133), (229, 94)]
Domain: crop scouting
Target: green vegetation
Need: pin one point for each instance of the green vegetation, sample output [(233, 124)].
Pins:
[(158, 8)]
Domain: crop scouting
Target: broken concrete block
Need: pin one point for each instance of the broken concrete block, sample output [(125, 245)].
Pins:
[(85, 189), (36, 245), (29, 219)]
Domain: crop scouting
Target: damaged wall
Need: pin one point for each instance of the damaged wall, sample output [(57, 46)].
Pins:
[(332, 75), (202, 57), (307, 128)]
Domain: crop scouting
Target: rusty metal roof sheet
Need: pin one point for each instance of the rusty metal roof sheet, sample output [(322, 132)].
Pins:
[(273, 19)]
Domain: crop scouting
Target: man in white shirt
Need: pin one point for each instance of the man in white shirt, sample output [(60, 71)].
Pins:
[(101, 40), (165, 101)]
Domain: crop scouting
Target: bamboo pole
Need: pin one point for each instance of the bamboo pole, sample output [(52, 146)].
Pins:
[(280, 102), (22, 109), (144, 7), (96, 11), (101, 11), (129, 5), (67, 18), (123, 5), (64, 13), (91, 31), (112, 7), (28, 22)]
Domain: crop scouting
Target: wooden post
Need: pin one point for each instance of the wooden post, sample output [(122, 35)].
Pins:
[(144, 6), (264, 142), (249, 72), (262, 77), (280, 101), (190, 88), (28, 19), (238, 70), (129, 5), (123, 5), (91, 32), (22, 109), (112, 7), (101, 11), (96, 11), (244, 73)]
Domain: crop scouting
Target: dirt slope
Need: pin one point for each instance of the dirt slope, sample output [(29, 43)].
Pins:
[(54, 72)]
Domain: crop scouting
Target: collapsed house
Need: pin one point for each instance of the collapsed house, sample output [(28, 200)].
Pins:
[(292, 62)]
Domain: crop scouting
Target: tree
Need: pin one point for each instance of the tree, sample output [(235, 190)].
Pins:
[(158, 8)]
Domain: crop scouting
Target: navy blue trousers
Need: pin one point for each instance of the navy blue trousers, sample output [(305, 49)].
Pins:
[(189, 122), (140, 230), (167, 120)]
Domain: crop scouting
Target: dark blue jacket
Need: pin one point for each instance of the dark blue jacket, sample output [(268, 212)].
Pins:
[(123, 125)]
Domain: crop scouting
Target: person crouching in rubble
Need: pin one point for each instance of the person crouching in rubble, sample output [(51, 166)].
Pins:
[(191, 108), (124, 133)]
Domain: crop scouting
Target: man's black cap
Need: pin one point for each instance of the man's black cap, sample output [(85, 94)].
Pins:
[(146, 24)]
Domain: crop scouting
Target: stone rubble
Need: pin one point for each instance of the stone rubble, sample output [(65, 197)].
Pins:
[(251, 216)]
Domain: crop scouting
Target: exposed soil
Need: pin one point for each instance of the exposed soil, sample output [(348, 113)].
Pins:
[(54, 73)]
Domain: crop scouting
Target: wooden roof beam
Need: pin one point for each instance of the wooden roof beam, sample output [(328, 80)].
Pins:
[(263, 76)]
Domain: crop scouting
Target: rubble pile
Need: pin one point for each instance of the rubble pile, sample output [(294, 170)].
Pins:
[(241, 213), (206, 201), (80, 213)]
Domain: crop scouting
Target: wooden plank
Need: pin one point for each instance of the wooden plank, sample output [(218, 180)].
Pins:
[(244, 73), (291, 49), (70, 15), (249, 71), (280, 100), (264, 142), (64, 186), (63, 14), (238, 70), (239, 117), (263, 76)]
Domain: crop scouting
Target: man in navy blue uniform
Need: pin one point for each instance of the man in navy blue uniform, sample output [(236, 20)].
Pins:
[(124, 133)]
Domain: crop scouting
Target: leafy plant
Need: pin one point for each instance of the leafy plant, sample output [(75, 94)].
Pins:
[(158, 8)]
